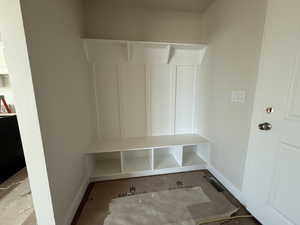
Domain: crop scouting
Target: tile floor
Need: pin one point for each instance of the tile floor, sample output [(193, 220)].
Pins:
[(16, 206)]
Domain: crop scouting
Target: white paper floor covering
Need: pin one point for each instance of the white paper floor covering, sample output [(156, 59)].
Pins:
[(184, 206)]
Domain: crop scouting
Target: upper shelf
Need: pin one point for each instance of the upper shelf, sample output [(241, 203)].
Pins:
[(125, 144), (153, 43), (142, 51)]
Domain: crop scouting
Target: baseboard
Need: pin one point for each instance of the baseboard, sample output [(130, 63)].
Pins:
[(227, 184), (76, 202)]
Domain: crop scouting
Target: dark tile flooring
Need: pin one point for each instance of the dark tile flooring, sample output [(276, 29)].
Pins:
[(94, 207)]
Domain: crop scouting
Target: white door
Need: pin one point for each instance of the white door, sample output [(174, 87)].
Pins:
[(272, 177)]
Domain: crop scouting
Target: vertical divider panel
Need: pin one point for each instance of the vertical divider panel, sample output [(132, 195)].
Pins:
[(148, 100), (121, 111), (195, 99), (177, 152), (122, 161), (94, 78), (173, 98), (152, 159), (119, 102), (199, 95)]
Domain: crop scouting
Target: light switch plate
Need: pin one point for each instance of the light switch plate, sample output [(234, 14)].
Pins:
[(238, 96)]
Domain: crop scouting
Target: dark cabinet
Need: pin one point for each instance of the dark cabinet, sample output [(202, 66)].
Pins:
[(11, 151)]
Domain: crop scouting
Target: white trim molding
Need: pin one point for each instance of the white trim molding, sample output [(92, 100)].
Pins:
[(76, 201), (237, 193)]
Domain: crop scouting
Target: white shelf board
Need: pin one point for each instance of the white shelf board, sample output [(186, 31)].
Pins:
[(125, 144), (165, 161), (137, 164), (153, 43), (107, 167), (190, 158)]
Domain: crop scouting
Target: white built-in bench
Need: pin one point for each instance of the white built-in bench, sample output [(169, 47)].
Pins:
[(132, 157)]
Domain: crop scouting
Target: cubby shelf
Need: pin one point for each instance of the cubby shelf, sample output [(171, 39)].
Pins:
[(105, 164), (139, 160), (191, 156), (106, 167), (166, 162), (169, 157), (148, 156)]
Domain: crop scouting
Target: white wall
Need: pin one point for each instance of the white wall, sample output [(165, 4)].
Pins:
[(11, 24), (63, 93), (121, 23), (62, 90), (234, 34)]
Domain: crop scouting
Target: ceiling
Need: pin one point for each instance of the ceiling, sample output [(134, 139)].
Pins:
[(177, 5)]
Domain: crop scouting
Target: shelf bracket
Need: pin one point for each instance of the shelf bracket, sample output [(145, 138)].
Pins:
[(202, 53), (129, 51), (171, 52)]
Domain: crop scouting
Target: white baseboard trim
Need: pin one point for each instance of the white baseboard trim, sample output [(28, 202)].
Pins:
[(76, 202), (227, 184)]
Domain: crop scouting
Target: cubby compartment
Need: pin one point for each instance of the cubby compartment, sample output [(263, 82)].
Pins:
[(105, 164), (143, 156), (167, 157), (192, 155), (137, 160)]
